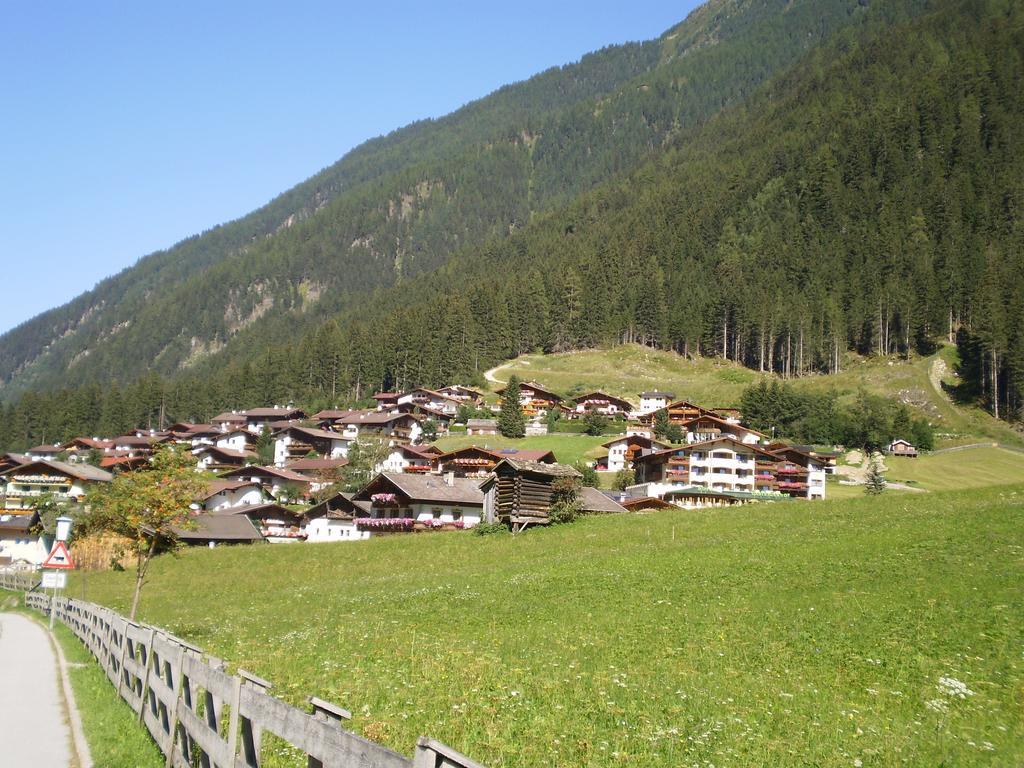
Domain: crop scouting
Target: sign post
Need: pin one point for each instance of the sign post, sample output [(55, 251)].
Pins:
[(59, 560)]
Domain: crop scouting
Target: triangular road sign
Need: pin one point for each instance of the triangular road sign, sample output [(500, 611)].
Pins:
[(59, 557)]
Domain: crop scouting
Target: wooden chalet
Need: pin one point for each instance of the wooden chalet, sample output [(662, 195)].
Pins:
[(294, 442), (535, 399), (428, 398), (401, 502), (623, 450), (602, 403), (215, 459), (475, 461), (680, 412), (334, 519), (901, 447), (710, 427), (462, 394), (394, 427), (519, 493), (119, 464), (22, 484), (481, 427)]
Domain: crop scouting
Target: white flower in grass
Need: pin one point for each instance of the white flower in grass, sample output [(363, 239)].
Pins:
[(954, 688)]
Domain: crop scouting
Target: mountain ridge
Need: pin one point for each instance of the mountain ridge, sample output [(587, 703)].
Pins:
[(92, 336)]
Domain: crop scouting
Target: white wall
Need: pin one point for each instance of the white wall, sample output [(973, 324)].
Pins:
[(323, 529)]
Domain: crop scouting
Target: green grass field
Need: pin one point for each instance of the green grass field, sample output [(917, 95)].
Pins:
[(829, 634), (969, 468)]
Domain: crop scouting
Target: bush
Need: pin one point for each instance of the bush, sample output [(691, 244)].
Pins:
[(490, 529)]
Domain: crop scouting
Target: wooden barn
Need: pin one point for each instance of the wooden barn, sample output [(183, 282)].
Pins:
[(519, 492)]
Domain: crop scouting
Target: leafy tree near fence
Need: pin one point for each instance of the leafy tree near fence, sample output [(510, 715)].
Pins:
[(147, 507)]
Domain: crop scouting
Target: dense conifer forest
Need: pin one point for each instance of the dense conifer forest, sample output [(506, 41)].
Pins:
[(777, 187)]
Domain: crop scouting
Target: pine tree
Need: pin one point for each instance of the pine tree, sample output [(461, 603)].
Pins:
[(874, 483), (511, 422)]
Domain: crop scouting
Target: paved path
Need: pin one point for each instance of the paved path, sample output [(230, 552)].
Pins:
[(34, 731)]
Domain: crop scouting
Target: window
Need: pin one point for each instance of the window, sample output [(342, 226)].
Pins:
[(436, 513), (457, 514)]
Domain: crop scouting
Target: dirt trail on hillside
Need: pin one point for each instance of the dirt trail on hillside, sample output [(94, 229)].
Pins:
[(489, 375)]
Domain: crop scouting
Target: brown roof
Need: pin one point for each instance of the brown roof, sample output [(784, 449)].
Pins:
[(502, 453), (535, 387), (341, 506), (217, 486), (80, 471), (283, 473), (427, 488), (602, 396), (228, 452), (322, 434), (592, 500), (312, 465), (373, 417), (211, 527), (46, 449), (538, 468), (705, 444)]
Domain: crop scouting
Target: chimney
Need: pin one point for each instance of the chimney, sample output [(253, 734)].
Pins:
[(449, 478)]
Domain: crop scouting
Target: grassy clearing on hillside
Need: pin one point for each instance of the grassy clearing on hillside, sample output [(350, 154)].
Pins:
[(568, 449), (786, 634), (629, 369), (969, 468)]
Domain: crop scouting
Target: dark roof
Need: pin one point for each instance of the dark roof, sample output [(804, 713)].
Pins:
[(283, 473), (17, 524), (597, 395), (340, 506), (321, 434), (533, 385), (649, 395), (705, 444), (480, 423), (644, 439), (229, 452), (593, 500), (373, 417), (211, 527), (260, 511), (46, 449), (538, 468), (312, 465), (429, 488)]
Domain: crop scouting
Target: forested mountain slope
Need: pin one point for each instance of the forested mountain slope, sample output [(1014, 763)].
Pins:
[(402, 204), (869, 198)]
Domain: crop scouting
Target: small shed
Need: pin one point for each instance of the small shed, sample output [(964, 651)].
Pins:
[(481, 427), (901, 447), (519, 492)]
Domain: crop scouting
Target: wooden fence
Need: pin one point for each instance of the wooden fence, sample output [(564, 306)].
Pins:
[(199, 715), (19, 581)]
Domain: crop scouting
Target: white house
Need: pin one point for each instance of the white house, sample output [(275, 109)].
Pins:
[(409, 458), (335, 519), (235, 440), (18, 545), (653, 401), (66, 482), (392, 427), (602, 403), (273, 480), (406, 502), (430, 399), (225, 494), (297, 442), (623, 450), (708, 427)]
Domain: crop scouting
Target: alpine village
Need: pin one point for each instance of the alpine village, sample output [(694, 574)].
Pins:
[(665, 408)]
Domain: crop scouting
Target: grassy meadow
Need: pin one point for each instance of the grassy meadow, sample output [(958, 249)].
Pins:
[(868, 631), (630, 369), (967, 468)]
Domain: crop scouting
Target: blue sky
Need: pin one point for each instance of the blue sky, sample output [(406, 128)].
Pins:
[(125, 127)]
